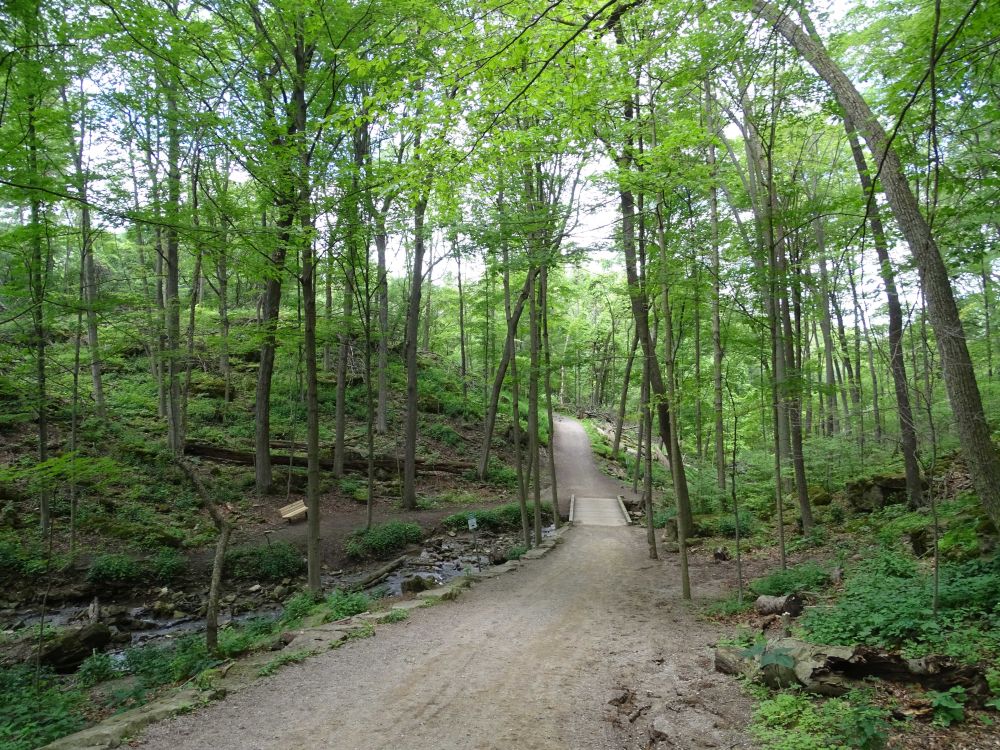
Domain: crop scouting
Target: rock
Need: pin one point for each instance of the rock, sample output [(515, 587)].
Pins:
[(162, 608), (255, 588), (279, 592), (416, 584), (660, 729), (67, 652), (229, 598), (619, 697)]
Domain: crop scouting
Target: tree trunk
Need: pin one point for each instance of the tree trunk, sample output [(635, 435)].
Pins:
[(381, 411), (544, 281), (342, 354), (172, 301), (960, 378), (409, 500), (897, 362), (491, 409), (533, 432), (623, 402)]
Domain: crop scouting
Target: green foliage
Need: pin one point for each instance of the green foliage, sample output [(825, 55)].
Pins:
[(114, 569), (341, 604), (948, 705), (382, 539), (723, 525), (888, 602), (660, 517), (792, 721), (456, 497), (808, 576), (96, 668), (267, 562), (443, 433), (356, 489), (32, 716), (729, 606), (286, 657), (235, 640), (298, 607), (168, 564), (516, 552), (498, 474), (395, 615), (502, 518), (21, 554)]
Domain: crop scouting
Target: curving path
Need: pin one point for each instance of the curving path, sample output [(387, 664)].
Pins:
[(525, 661)]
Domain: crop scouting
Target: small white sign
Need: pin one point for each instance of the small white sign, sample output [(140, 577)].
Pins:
[(473, 525)]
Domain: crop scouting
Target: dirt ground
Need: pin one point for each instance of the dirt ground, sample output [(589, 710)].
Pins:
[(529, 661)]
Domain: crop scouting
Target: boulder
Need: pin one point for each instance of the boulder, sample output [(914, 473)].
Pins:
[(66, 652), (415, 584)]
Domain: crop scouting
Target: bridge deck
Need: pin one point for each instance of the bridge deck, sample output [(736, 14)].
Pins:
[(598, 511)]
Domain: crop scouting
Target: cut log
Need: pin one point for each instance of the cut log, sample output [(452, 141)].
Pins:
[(778, 605), (834, 670), (352, 461)]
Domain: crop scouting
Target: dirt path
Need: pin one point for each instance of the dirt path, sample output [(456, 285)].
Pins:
[(521, 662)]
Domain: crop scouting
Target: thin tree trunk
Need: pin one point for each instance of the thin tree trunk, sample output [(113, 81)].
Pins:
[(382, 408), (340, 420), (409, 500), (533, 431), (622, 403), (172, 301), (544, 282), (505, 361), (461, 328)]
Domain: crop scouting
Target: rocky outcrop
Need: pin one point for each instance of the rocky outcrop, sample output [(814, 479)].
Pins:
[(66, 652)]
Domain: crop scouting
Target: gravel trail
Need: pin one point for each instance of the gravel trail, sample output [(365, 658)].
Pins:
[(525, 661)]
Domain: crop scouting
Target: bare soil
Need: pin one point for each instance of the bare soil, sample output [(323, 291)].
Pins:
[(529, 661)]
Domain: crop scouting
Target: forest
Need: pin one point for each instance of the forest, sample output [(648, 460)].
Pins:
[(288, 287)]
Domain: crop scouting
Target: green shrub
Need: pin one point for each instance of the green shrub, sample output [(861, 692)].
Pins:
[(888, 602), (298, 607), (808, 576), (347, 604), (382, 539), (502, 518), (238, 640), (660, 517), (114, 568), (792, 721), (516, 552), (32, 716), (443, 433), (498, 474), (949, 706), (268, 562), (96, 668), (168, 564), (726, 525)]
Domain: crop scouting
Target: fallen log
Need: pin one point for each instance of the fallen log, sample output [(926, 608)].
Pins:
[(779, 605), (835, 670), (377, 575), (352, 461)]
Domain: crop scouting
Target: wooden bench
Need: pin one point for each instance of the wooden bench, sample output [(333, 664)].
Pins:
[(293, 511)]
